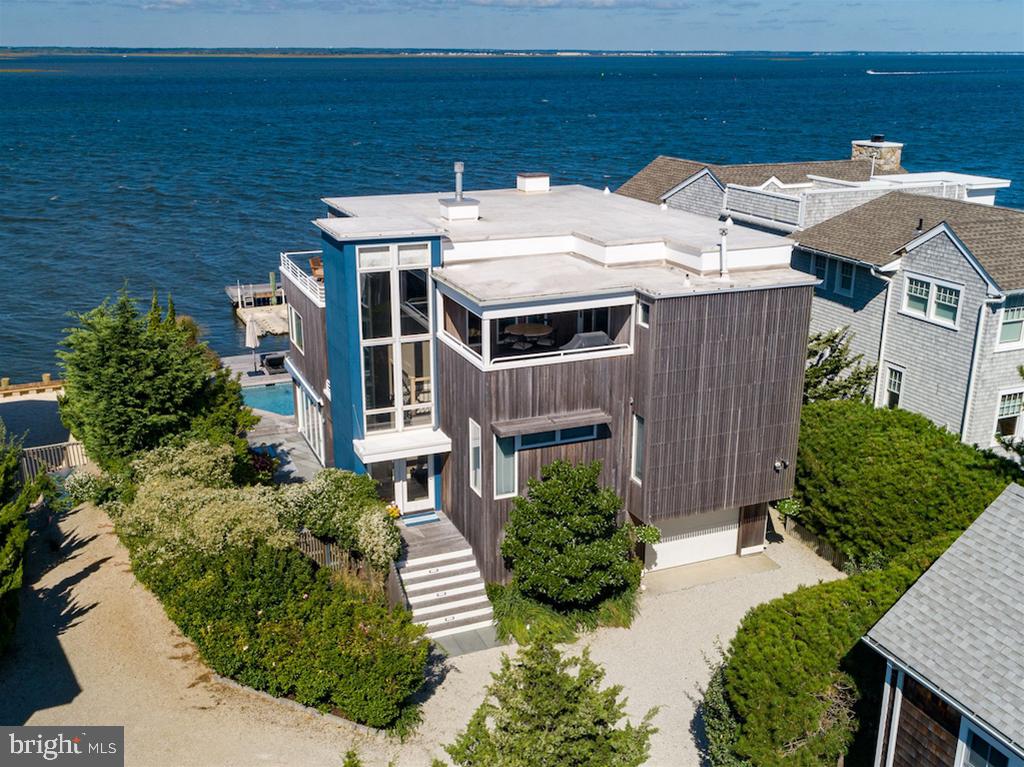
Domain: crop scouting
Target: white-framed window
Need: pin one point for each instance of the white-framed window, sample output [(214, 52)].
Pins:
[(979, 750), (394, 329), (1011, 325), (1009, 423), (476, 458), (819, 265), (643, 315), (844, 272), (893, 388), (295, 329), (556, 437), (637, 457), (506, 467), (932, 299)]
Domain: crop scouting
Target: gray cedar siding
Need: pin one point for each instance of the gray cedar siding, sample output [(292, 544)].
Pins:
[(703, 197), (312, 360), (997, 372), (862, 312), (936, 359), (771, 206), (823, 204), (724, 388)]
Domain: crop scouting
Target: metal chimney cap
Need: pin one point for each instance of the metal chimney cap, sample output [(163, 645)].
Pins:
[(878, 138)]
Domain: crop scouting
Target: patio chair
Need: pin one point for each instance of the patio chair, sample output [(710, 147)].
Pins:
[(547, 342), (316, 268)]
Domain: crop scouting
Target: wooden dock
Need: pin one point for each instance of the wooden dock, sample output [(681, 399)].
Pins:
[(249, 294), (271, 320)]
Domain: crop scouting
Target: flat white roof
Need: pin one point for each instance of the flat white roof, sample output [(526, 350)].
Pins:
[(950, 177), (377, 227), (558, 276), (606, 219)]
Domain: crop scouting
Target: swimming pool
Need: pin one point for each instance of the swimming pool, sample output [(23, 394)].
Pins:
[(276, 398)]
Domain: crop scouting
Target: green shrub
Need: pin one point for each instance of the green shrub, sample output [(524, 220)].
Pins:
[(378, 539), (874, 480), (201, 461), (331, 504), (792, 675), (539, 713), (13, 538), (563, 540), (10, 463)]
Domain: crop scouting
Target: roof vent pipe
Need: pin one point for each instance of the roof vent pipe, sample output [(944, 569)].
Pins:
[(460, 168), (920, 225), (723, 250)]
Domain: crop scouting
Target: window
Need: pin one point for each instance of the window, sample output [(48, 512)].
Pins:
[(505, 467), (1008, 415), (375, 288), (819, 265), (475, 456), (377, 257), (557, 437), (295, 328), (643, 317), (638, 449), (981, 753), (893, 388), (932, 300), (417, 254), (844, 278), (1010, 331), (379, 387)]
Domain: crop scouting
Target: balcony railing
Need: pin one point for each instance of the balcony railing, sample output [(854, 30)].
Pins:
[(309, 285)]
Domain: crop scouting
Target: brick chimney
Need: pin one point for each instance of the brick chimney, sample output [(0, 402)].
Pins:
[(886, 154)]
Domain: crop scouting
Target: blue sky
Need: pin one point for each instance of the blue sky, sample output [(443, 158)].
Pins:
[(982, 25)]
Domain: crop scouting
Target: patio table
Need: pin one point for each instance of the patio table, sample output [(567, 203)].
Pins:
[(530, 330)]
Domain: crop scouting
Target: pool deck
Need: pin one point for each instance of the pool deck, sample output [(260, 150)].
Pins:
[(241, 365)]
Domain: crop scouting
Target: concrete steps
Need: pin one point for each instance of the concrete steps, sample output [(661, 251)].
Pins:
[(446, 592)]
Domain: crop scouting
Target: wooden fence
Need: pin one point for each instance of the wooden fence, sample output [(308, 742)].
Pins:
[(64, 455), (339, 559), (819, 546)]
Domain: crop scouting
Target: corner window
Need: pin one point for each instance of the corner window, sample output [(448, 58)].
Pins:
[(505, 467), (893, 388), (1008, 419), (844, 278), (932, 300), (637, 463), (295, 329), (556, 437), (643, 317), (475, 457), (1011, 329), (981, 753)]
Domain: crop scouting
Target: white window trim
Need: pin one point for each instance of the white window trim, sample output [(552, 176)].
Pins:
[(558, 440), (632, 449), (1006, 347), (817, 258), (478, 487), (515, 470), (292, 314), (966, 727), (838, 272), (640, 313), (929, 316), (885, 384), (1019, 434)]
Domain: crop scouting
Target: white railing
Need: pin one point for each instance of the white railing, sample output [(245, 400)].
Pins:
[(64, 455), (557, 353), (313, 289)]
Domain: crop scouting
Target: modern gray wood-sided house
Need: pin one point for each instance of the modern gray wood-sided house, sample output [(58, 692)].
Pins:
[(954, 682), (933, 292), (471, 340)]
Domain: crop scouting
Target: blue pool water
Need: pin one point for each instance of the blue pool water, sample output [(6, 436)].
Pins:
[(188, 174), (277, 398)]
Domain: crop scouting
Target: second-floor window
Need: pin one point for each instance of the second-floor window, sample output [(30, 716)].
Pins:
[(1011, 329), (844, 278), (932, 300), (476, 459), (295, 328), (1008, 420), (394, 320)]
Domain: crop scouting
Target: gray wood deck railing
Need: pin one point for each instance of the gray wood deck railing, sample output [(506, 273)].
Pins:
[(335, 557), (63, 455)]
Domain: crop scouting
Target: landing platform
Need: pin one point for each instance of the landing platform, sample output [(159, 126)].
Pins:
[(271, 320)]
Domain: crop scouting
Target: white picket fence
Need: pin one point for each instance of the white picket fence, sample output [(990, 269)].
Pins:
[(64, 455)]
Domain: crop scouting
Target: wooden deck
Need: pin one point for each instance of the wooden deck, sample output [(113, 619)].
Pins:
[(271, 320)]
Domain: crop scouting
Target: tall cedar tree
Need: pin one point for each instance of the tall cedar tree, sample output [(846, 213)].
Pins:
[(10, 455), (833, 372), (539, 714), (563, 540), (133, 381)]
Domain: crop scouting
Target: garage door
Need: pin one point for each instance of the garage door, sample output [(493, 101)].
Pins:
[(694, 538)]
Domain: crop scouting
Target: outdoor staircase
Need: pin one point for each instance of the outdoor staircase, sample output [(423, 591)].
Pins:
[(446, 592)]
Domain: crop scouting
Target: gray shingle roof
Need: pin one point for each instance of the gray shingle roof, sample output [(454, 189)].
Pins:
[(663, 173), (960, 627), (872, 232)]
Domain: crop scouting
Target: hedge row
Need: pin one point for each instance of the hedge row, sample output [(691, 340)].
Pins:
[(876, 481), (795, 675), (13, 538)]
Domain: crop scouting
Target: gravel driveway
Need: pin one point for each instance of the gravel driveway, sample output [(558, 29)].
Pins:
[(94, 647)]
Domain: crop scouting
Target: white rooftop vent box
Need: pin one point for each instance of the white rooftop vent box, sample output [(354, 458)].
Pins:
[(533, 182), (459, 207)]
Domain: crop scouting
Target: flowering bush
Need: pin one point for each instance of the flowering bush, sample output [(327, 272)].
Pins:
[(201, 461), (378, 539), (82, 487), (331, 505)]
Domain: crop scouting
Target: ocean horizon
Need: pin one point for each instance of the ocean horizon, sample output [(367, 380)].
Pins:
[(187, 173)]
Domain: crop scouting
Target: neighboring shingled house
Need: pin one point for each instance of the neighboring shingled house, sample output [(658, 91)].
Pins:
[(954, 681), (933, 290)]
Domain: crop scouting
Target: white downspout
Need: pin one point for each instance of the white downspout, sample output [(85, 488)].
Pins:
[(972, 375), (895, 724), (882, 337), (886, 697), (723, 251)]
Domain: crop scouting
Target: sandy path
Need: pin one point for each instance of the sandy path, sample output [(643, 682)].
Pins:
[(94, 647)]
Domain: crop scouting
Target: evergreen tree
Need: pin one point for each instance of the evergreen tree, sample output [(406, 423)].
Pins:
[(833, 372), (10, 455), (563, 540), (131, 382), (539, 714)]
